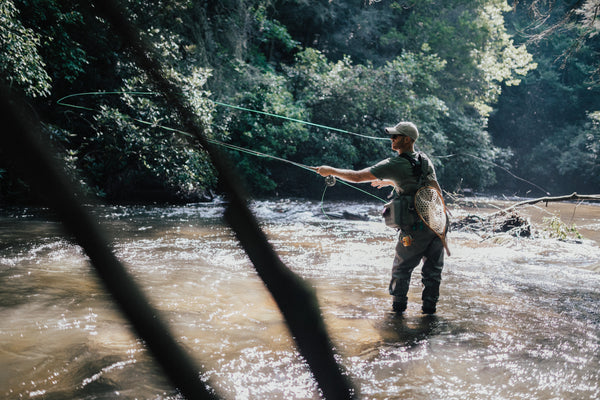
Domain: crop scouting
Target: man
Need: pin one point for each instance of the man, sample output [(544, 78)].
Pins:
[(406, 173)]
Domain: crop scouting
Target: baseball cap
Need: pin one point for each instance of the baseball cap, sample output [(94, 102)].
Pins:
[(404, 129)]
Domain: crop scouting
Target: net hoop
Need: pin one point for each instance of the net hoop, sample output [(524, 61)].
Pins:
[(431, 208)]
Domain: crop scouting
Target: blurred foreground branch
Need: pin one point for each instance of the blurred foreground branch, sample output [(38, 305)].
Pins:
[(22, 140), (296, 300)]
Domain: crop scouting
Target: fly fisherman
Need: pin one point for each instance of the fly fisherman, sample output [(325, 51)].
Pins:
[(406, 173)]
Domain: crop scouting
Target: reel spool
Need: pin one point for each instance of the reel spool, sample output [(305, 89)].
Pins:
[(330, 180)]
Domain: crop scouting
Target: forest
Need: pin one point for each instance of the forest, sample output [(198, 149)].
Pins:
[(506, 94)]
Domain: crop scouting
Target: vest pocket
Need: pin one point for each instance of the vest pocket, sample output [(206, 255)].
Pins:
[(400, 212)]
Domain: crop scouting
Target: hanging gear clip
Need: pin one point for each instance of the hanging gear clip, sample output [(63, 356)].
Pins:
[(407, 240)]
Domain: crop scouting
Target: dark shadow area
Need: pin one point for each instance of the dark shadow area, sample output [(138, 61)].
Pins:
[(409, 331)]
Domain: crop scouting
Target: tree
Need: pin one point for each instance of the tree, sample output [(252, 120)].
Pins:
[(21, 65), (111, 153), (354, 65), (549, 17), (543, 120), (468, 39)]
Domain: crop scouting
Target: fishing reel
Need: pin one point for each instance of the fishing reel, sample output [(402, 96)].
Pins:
[(330, 180)]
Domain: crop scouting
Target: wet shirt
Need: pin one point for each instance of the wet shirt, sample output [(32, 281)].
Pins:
[(400, 170)]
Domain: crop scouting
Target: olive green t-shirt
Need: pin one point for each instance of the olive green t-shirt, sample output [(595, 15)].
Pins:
[(399, 170)]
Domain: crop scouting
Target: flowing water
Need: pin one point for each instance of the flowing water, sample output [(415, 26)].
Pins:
[(518, 318)]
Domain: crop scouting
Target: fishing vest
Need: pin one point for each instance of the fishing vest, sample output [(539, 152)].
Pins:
[(400, 211)]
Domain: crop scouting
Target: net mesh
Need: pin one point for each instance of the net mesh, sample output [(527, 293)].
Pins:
[(430, 207)]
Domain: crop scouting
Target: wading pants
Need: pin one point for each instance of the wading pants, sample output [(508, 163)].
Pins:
[(413, 246)]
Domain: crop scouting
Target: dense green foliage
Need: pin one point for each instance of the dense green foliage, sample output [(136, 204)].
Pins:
[(481, 95), (20, 63), (550, 121)]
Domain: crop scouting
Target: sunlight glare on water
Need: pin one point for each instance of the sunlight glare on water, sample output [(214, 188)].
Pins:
[(517, 319)]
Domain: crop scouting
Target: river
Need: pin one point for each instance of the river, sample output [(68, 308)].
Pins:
[(518, 318)]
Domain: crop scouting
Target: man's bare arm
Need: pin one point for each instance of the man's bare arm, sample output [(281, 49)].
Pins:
[(364, 175)]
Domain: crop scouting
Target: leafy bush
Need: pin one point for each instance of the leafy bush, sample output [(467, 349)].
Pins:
[(557, 229), (132, 155), (20, 62)]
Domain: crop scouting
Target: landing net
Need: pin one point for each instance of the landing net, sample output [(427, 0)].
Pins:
[(432, 210)]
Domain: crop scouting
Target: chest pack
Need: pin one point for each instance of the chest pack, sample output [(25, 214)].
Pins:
[(400, 211)]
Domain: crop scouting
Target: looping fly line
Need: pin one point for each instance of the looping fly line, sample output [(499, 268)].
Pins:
[(60, 102), (301, 121), (330, 180), (258, 154)]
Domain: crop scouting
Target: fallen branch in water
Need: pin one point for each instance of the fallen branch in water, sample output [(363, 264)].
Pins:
[(510, 223), (547, 199)]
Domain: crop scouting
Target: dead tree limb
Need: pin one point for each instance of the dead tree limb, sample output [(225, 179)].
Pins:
[(547, 199)]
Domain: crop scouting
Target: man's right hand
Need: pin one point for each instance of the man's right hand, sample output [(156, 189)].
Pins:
[(381, 183), (325, 170)]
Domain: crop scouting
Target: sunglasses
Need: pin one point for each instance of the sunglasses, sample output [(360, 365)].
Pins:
[(393, 137)]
